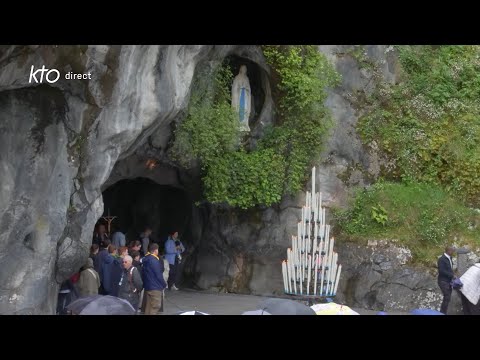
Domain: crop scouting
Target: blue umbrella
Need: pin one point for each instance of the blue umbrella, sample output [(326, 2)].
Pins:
[(425, 312)]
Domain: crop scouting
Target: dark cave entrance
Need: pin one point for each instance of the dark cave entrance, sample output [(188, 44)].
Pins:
[(142, 202)]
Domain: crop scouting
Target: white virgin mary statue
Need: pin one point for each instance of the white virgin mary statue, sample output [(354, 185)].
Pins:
[(242, 97)]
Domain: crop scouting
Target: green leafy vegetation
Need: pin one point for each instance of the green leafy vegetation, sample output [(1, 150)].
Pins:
[(303, 75), (428, 127), (422, 217), (429, 124), (211, 128), (279, 165)]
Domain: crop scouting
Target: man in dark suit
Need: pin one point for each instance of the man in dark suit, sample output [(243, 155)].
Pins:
[(445, 277)]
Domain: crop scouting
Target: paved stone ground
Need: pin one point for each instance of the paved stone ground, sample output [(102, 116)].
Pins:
[(221, 303)]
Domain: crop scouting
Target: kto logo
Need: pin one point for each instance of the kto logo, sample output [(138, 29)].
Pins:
[(49, 77)]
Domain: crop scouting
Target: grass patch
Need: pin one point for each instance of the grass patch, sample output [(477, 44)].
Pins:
[(422, 217), (429, 124)]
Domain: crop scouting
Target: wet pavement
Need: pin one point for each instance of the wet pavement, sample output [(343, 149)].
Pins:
[(223, 303)]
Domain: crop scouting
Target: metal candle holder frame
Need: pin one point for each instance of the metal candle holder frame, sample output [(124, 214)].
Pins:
[(311, 267)]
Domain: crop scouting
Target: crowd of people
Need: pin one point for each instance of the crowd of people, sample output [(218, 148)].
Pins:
[(141, 271), (138, 272)]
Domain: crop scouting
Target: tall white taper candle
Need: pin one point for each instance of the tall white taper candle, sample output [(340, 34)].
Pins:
[(313, 180), (339, 271)]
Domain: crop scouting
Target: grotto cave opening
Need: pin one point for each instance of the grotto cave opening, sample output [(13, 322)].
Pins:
[(141, 202)]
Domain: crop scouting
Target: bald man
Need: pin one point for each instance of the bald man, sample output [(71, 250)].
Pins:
[(131, 283), (445, 277)]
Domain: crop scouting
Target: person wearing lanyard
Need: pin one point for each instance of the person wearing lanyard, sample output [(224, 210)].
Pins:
[(131, 283)]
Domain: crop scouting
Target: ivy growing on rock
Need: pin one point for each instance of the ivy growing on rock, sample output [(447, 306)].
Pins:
[(429, 124), (210, 129), (280, 163)]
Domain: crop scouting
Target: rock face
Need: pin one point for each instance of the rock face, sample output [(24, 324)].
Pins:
[(63, 143), (60, 141), (242, 251), (262, 238), (377, 277)]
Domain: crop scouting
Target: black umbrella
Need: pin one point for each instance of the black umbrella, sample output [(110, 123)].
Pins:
[(101, 305), (285, 307)]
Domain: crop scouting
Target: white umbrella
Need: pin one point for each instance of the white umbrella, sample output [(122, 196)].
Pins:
[(193, 312)]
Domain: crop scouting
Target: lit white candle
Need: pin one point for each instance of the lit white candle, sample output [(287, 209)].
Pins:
[(293, 245), (289, 270), (327, 232), (330, 275), (297, 255), (307, 251), (309, 273), (322, 273), (324, 265), (299, 236), (320, 201), (335, 266), (339, 271), (320, 233), (303, 230), (300, 282), (295, 282), (313, 180), (294, 279), (284, 273), (292, 272), (302, 221), (300, 257), (297, 258), (327, 243), (309, 237)]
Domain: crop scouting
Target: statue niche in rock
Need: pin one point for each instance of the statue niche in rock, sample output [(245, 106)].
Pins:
[(242, 98)]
